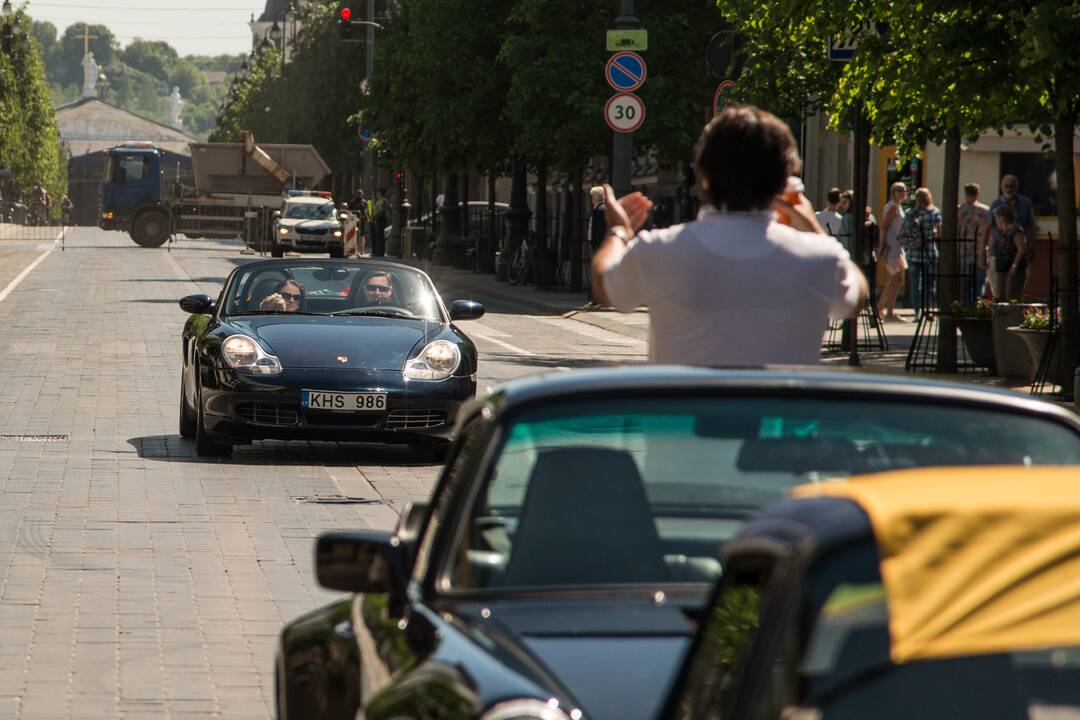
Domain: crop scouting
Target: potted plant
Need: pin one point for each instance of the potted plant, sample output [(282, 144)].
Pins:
[(1011, 355), (1034, 332), (976, 329)]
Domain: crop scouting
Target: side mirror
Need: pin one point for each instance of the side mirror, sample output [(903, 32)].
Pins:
[(360, 562), (466, 310), (199, 304), (277, 214)]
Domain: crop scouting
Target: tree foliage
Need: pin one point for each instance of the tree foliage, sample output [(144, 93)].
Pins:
[(29, 144)]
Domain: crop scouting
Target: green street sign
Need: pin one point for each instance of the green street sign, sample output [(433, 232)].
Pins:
[(627, 40)]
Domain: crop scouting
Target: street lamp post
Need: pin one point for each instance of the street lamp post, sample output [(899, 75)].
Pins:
[(622, 155), (9, 29)]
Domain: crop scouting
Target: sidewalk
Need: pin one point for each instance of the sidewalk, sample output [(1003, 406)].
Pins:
[(457, 283)]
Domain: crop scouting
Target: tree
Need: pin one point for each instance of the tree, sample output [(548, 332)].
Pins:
[(29, 143), (155, 58), (45, 34), (187, 77)]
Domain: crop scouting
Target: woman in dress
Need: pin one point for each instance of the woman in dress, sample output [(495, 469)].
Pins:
[(892, 217)]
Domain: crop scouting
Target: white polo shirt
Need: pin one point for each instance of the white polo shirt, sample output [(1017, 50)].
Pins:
[(734, 290)]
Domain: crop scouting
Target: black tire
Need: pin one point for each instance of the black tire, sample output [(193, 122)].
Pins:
[(151, 229), (188, 424), (337, 251), (205, 445), (277, 251)]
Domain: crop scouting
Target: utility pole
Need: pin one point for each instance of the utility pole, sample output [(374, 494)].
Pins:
[(369, 154), (622, 156)]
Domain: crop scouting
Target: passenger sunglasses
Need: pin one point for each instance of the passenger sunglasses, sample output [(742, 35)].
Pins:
[(290, 296), (378, 288)]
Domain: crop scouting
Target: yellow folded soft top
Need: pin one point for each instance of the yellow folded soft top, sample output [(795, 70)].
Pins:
[(974, 560)]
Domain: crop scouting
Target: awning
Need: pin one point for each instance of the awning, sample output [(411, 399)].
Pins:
[(974, 560)]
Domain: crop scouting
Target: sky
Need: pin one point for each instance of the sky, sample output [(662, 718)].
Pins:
[(193, 27)]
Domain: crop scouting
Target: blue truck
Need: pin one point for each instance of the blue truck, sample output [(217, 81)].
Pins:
[(237, 187)]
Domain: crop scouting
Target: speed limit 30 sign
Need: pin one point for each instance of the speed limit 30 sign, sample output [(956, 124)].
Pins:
[(624, 112)]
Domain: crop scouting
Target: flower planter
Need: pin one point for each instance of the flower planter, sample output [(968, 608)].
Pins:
[(1035, 342), (1011, 356), (978, 337)]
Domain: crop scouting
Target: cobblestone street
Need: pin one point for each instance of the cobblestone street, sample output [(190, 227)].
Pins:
[(137, 580)]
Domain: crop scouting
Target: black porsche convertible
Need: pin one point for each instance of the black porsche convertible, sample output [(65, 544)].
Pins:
[(568, 552), (340, 350)]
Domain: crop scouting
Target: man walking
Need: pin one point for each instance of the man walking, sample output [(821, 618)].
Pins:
[(379, 211), (1024, 215), (829, 219), (359, 207), (735, 288), (972, 222)]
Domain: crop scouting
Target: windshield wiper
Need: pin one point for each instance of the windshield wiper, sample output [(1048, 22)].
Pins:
[(375, 313), (271, 312)]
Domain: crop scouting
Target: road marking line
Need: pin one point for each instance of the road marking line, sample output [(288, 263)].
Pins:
[(512, 348), (179, 271), (29, 269)]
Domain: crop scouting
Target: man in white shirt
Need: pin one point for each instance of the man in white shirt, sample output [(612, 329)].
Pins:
[(829, 219), (735, 288)]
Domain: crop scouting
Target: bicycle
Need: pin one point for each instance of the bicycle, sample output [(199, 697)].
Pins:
[(519, 271)]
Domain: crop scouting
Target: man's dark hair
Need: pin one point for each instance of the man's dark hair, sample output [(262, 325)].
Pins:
[(744, 158), (833, 196), (1005, 213), (971, 189)]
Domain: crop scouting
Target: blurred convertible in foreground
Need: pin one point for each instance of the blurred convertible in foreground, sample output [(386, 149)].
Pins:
[(570, 547), (932, 594)]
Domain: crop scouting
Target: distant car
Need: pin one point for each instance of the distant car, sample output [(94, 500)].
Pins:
[(929, 593), (571, 541), (343, 362), (308, 223)]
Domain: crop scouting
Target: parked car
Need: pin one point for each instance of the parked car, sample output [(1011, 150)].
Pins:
[(343, 362), (476, 222), (929, 593), (571, 541)]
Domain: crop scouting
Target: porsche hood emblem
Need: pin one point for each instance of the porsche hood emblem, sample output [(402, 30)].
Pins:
[(343, 359)]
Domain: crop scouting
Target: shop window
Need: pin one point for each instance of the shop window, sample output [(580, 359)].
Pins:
[(1038, 180)]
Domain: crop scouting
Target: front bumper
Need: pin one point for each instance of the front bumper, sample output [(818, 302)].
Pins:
[(240, 407), (113, 221), (301, 242)]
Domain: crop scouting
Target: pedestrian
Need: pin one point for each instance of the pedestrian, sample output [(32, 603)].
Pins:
[(1025, 218), (829, 218), (735, 287), (890, 253), (1011, 256), (66, 206), (379, 211), (847, 223), (972, 221), (923, 256), (596, 233), (359, 206)]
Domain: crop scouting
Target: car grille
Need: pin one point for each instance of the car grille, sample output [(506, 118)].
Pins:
[(268, 413), (339, 419), (312, 231), (415, 419)]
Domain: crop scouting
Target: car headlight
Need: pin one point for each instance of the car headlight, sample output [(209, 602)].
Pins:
[(530, 709), (243, 353), (437, 361), (283, 231), (337, 233)]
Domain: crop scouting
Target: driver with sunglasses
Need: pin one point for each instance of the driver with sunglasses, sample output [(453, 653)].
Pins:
[(379, 289)]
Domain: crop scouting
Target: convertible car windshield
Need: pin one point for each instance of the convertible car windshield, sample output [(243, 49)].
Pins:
[(314, 288), (309, 211), (645, 491)]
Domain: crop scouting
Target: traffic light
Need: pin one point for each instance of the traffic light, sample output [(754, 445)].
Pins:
[(399, 178), (345, 22)]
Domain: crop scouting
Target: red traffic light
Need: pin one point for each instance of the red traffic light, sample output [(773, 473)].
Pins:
[(346, 13)]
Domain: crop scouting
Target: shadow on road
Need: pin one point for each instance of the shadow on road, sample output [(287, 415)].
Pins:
[(173, 448)]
